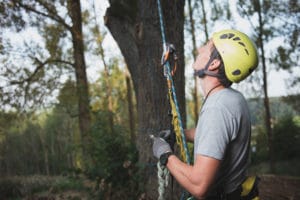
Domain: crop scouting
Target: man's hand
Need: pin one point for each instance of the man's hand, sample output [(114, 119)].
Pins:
[(168, 136), (160, 146)]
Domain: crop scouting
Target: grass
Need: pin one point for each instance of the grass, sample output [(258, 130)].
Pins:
[(21, 186), (67, 184)]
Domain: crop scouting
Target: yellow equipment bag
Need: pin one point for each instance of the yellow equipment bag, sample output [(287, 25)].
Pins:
[(250, 188)]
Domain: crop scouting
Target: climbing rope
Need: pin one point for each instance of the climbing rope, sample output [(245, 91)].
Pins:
[(176, 121), (168, 50), (163, 180)]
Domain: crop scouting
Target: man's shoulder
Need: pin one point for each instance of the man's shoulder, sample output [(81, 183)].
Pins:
[(228, 101), (231, 96)]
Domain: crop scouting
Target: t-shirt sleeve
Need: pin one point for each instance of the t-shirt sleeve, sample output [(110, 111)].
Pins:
[(215, 130)]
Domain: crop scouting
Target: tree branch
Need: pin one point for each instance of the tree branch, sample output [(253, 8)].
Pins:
[(54, 15), (38, 68)]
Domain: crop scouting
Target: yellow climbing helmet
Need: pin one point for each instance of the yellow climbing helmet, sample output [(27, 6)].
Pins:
[(238, 53)]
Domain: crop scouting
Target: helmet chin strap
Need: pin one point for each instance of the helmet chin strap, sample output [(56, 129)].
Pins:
[(203, 72), (200, 73)]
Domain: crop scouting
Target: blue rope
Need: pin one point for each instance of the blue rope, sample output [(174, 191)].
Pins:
[(169, 77), (162, 29)]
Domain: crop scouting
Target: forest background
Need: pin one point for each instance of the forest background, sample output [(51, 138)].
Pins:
[(75, 116)]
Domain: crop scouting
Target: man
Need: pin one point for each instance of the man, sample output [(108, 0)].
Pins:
[(222, 136)]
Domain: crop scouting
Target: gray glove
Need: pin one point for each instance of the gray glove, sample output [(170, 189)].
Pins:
[(165, 134), (160, 146)]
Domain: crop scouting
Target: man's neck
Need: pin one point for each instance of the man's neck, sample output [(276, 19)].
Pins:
[(213, 87)]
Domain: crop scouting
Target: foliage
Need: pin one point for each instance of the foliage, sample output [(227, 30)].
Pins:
[(50, 143), (259, 145), (294, 101), (280, 107), (113, 156), (20, 148), (24, 186), (286, 141), (98, 90), (11, 16), (68, 183), (281, 44), (32, 67), (284, 121)]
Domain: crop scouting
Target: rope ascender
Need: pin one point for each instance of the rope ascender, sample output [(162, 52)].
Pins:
[(169, 53)]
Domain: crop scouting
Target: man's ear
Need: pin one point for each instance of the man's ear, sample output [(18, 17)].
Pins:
[(214, 65)]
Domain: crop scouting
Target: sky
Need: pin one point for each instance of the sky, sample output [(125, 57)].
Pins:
[(276, 86)]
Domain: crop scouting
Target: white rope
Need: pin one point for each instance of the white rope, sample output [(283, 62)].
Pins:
[(163, 180)]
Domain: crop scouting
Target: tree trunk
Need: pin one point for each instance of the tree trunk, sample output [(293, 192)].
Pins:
[(108, 93), (265, 89), (195, 92), (45, 153), (130, 108), (108, 87), (204, 19), (135, 27), (80, 71)]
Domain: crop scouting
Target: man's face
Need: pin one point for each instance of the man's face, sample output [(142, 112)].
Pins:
[(204, 53)]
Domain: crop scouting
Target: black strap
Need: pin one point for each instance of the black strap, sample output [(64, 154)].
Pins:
[(202, 72), (235, 195)]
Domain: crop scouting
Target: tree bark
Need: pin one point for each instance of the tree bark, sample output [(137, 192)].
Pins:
[(80, 71), (130, 108), (134, 24)]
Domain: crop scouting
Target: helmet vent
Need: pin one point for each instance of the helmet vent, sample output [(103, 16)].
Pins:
[(241, 43), (230, 35), (225, 36), (236, 72)]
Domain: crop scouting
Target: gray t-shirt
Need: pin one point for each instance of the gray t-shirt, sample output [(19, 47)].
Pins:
[(223, 132)]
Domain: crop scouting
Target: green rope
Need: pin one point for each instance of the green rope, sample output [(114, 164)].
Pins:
[(163, 180)]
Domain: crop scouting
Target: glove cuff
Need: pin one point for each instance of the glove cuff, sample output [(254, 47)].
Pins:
[(164, 158)]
